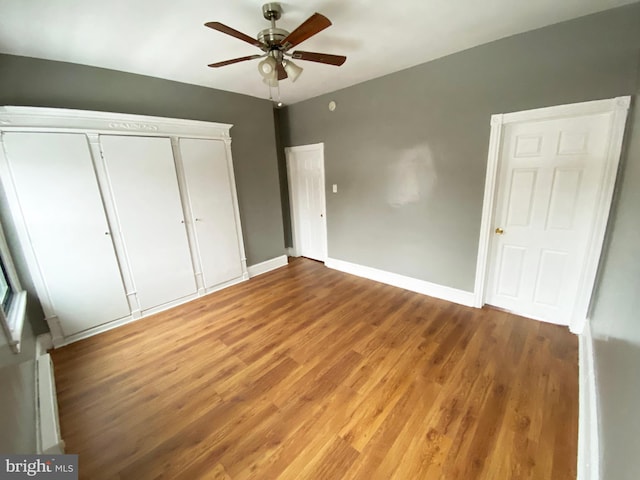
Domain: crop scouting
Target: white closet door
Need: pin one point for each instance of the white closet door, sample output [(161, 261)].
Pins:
[(211, 198), (58, 193), (143, 181)]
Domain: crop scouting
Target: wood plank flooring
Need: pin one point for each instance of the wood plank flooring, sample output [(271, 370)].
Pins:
[(309, 373)]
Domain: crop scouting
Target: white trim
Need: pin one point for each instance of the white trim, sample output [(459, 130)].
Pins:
[(56, 119), (267, 266), (408, 283), (48, 438), (618, 108), (488, 205), (106, 194), (293, 200), (13, 320), (236, 208), (187, 215), (291, 252), (569, 110), (588, 434)]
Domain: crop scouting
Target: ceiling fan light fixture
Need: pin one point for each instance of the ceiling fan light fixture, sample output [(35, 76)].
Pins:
[(272, 82), (275, 44), (267, 68), (293, 70)]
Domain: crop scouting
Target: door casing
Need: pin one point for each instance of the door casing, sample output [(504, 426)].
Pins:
[(617, 108)]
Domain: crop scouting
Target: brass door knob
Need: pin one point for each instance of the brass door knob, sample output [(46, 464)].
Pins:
[(499, 231)]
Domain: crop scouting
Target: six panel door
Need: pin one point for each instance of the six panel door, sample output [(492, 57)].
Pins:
[(210, 196), (61, 205), (549, 183), (144, 185), (306, 177)]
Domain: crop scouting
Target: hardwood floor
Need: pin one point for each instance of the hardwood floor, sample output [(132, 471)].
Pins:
[(306, 372)]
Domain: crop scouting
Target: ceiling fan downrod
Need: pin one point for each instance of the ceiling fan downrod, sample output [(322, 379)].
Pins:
[(273, 36)]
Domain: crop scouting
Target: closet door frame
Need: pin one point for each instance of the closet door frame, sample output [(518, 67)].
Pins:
[(92, 125), (190, 218)]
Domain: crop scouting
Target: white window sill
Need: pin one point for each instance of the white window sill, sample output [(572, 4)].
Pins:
[(15, 319)]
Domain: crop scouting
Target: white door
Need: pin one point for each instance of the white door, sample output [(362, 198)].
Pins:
[(305, 168), (61, 205), (210, 196), (550, 181), (143, 181)]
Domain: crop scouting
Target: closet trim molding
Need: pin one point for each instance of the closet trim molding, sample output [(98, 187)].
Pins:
[(30, 119)]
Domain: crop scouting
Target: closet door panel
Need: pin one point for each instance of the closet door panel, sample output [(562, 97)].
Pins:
[(61, 204), (211, 197), (143, 181)]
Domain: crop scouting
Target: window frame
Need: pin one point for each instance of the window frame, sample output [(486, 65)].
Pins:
[(12, 316)]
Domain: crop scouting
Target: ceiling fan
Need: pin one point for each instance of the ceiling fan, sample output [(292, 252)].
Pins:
[(276, 43)]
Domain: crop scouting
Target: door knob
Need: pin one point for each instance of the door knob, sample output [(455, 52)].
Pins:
[(499, 231)]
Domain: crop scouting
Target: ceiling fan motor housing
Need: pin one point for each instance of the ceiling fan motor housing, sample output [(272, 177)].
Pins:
[(272, 37)]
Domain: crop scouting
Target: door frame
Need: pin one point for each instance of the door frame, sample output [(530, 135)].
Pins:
[(617, 108), (293, 198)]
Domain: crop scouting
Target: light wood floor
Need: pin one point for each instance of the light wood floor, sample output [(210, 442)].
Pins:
[(306, 372)]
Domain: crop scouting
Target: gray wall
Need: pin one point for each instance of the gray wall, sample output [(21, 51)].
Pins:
[(433, 120), (33, 82), (425, 130)]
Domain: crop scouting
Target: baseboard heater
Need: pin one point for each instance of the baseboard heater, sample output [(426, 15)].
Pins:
[(47, 420)]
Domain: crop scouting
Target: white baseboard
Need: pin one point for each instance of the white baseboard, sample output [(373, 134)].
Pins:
[(267, 266), (48, 437), (291, 252), (588, 433), (408, 283)]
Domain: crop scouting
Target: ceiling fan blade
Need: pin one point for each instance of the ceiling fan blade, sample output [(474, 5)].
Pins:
[(234, 33), (282, 74), (312, 25), (327, 58), (233, 60)]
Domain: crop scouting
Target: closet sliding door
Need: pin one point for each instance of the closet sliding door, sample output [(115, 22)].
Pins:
[(62, 209), (208, 179), (142, 177)]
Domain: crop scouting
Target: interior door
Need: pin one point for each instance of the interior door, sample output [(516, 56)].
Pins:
[(210, 195), (145, 191), (550, 178), (305, 167), (60, 201)]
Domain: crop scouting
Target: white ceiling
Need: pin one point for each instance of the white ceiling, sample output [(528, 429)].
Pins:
[(167, 39)]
